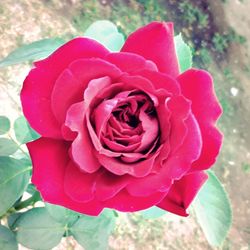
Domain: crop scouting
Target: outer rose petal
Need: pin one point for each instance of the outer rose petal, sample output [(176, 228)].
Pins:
[(79, 186), (155, 42), (182, 193), (124, 202), (197, 85), (70, 86), (38, 85), (49, 171), (129, 62)]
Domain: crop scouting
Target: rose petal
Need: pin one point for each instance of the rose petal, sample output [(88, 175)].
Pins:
[(79, 186), (138, 169), (182, 193), (71, 85), (48, 175), (149, 184), (155, 42), (38, 85), (124, 202), (129, 62), (108, 185), (179, 162), (82, 148), (161, 81), (197, 85)]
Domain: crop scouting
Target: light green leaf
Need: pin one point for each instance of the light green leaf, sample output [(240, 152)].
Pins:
[(4, 125), (62, 215), (106, 33), (93, 232), (184, 53), (31, 52), (36, 229), (14, 178), (23, 132), (7, 147), (213, 211), (152, 213), (7, 239)]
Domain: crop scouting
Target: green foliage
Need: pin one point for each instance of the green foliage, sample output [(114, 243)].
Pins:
[(246, 167), (31, 52), (23, 132), (4, 125), (192, 14), (93, 232), (213, 211), (62, 215), (7, 239), (36, 229), (183, 53), (14, 178), (221, 42), (106, 33), (7, 147), (152, 213)]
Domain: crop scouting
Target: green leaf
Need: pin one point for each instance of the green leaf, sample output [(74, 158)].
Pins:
[(31, 52), (7, 147), (184, 53), (62, 215), (152, 213), (4, 125), (24, 133), (14, 178), (106, 33), (12, 220), (7, 239), (213, 210), (93, 232), (36, 229)]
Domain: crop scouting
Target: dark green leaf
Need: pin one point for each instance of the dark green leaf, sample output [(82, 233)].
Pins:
[(93, 232), (106, 33), (36, 229), (7, 147), (7, 239), (183, 53), (152, 213), (213, 211), (14, 178), (4, 125), (31, 52), (24, 133), (62, 215)]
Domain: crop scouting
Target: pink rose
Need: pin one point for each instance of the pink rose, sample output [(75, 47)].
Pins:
[(121, 130)]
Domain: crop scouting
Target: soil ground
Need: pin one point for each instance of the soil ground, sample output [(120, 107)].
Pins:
[(25, 21)]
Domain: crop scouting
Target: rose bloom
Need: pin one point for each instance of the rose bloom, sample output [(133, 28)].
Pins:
[(121, 130)]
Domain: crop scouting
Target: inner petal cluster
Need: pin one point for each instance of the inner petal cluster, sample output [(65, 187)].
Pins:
[(131, 128)]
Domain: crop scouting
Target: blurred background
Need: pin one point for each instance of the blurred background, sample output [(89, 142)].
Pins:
[(219, 35)]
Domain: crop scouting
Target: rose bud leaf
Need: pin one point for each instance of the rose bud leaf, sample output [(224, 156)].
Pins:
[(184, 53), (106, 33), (14, 178), (31, 52), (7, 239), (23, 132), (213, 210)]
